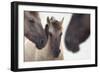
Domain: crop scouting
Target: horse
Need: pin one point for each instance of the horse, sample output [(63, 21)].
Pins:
[(52, 50), (53, 30), (78, 31), (33, 29)]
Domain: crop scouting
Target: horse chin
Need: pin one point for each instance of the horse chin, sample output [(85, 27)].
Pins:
[(75, 49), (56, 56), (40, 46)]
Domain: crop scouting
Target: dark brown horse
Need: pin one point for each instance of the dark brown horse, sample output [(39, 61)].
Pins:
[(78, 31), (54, 33), (33, 29)]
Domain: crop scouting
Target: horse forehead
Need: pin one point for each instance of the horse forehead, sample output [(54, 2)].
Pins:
[(53, 30), (28, 15)]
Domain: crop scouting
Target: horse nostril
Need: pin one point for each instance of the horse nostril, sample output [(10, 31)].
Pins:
[(41, 41), (56, 53)]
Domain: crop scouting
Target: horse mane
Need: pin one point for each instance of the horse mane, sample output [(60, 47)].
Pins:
[(56, 24)]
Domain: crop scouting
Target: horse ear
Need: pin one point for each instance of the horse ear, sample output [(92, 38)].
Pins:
[(48, 20), (52, 18), (46, 30), (62, 20)]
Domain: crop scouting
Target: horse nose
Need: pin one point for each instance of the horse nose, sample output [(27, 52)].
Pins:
[(56, 53), (41, 41)]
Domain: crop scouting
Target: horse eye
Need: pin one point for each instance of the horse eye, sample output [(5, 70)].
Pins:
[(60, 34), (31, 20), (50, 34)]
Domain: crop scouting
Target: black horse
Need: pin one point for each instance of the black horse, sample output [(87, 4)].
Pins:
[(78, 31)]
